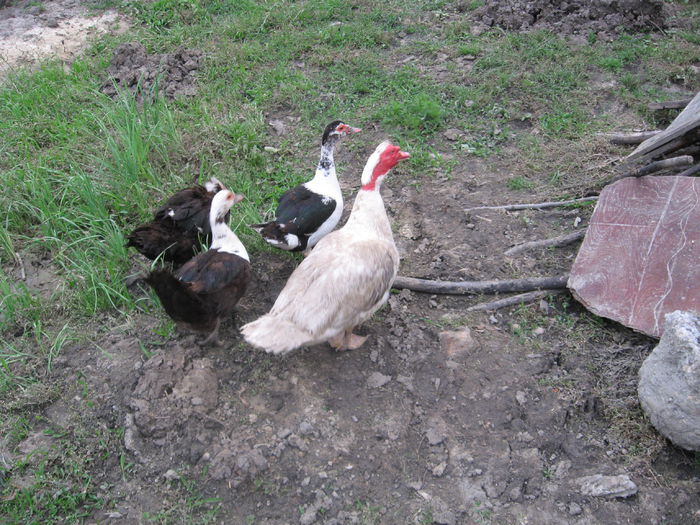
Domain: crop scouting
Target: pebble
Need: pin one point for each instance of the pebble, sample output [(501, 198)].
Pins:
[(575, 509), (377, 380), (306, 428), (284, 433), (171, 475), (620, 486), (439, 470)]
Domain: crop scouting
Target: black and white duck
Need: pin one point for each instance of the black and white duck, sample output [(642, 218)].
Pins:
[(311, 210)]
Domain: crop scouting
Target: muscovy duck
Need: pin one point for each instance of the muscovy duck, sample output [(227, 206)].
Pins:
[(179, 227), (344, 279), (208, 286), (311, 210)]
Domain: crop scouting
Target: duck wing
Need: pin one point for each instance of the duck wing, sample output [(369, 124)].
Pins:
[(336, 288), (302, 211), (215, 271)]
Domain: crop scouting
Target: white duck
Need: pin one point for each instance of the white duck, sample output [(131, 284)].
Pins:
[(343, 281)]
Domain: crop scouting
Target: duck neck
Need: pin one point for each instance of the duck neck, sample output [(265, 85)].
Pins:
[(223, 239), (326, 164)]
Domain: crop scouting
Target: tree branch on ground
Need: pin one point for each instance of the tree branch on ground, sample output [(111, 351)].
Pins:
[(535, 206), (561, 240), (474, 287), (522, 298)]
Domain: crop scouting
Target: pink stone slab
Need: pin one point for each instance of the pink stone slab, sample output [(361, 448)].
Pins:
[(640, 258)]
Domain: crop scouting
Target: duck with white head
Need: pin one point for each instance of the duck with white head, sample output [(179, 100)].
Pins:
[(344, 280), (207, 287)]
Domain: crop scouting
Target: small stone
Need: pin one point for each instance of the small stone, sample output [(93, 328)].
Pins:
[(309, 516), (439, 470), (575, 509), (458, 342), (196, 401), (171, 475), (435, 436), (471, 226), (607, 486), (538, 331), (520, 397), (306, 428), (306, 481), (252, 418), (377, 380), (562, 468), (323, 475), (415, 485), (452, 134), (114, 515), (284, 433), (52, 21), (279, 126)]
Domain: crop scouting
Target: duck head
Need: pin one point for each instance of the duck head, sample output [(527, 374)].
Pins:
[(385, 157), (222, 203), (337, 130)]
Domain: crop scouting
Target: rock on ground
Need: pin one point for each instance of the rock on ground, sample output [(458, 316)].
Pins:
[(669, 381), (607, 486)]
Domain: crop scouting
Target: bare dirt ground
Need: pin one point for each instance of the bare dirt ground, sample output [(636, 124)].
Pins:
[(32, 30), (443, 417)]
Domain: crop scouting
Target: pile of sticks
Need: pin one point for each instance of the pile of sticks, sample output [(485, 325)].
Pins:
[(672, 151)]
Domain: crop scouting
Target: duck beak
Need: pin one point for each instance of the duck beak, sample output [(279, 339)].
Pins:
[(237, 197), (404, 155), (353, 130)]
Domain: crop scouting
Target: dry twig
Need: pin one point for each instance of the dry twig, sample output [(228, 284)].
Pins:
[(521, 298), (669, 104), (690, 171), (561, 240), (654, 167), (536, 206), (630, 138), (467, 287)]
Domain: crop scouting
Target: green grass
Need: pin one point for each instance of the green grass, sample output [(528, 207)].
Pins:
[(80, 170)]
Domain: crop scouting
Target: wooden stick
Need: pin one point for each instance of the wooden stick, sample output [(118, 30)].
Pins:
[(631, 138), (474, 287), (521, 298), (690, 171), (669, 104), (653, 167), (22, 272), (537, 206), (562, 240)]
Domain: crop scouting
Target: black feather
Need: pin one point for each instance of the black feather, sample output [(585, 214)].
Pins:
[(203, 289), (179, 228)]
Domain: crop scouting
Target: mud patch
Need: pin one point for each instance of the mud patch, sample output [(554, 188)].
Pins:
[(598, 16), (173, 74)]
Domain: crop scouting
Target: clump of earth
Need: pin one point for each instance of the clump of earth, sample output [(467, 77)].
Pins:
[(597, 16), (173, 74)]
